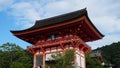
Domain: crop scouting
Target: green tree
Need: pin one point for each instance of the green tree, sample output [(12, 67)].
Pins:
[(13, 56), (92, 63), (63, 60)]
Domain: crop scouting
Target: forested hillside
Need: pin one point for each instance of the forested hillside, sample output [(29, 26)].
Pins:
[(111, 54)]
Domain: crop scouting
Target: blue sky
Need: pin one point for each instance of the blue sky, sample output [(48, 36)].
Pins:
[(17, 15)]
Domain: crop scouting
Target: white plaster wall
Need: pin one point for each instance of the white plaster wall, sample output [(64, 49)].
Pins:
[(77, 60), (80, 59), (48, 56), (82, 54), (82, 62)]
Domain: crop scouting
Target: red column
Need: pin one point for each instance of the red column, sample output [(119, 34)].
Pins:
[(85, 61), (44, 57), (34, 61)]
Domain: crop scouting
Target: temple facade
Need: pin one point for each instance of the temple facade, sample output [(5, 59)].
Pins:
[(56, 34)]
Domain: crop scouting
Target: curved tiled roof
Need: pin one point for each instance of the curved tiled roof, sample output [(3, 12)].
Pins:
[(55, 20), (59, 20)]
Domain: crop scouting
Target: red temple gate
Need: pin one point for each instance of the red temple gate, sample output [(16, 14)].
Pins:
[(56, 34)]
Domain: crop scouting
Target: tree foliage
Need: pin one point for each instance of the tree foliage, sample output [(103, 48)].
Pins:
[(92, 63), (63, 60), (13, 56)]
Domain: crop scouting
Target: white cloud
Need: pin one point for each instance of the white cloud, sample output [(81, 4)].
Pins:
[(108, 24), (25, 14), (4, 4), (26, 10), (61, 7)]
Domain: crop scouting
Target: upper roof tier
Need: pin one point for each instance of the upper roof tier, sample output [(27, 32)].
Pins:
[(65, 21), (56, 20)]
